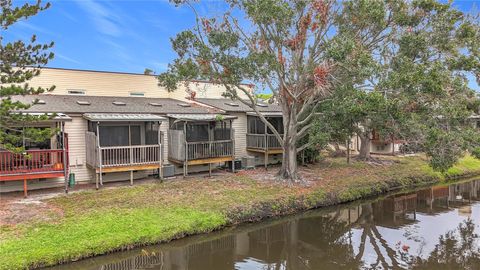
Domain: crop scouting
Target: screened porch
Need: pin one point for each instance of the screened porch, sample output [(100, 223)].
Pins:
[(41, 159), (200, 139), (260, 137), (123, 143)]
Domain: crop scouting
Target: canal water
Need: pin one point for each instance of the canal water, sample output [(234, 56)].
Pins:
[(431, 228)]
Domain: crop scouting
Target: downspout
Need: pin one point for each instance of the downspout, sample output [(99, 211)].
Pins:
[(99, 156), (64, 151)]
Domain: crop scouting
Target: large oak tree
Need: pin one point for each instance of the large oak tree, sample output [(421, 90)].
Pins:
[(274, 44)]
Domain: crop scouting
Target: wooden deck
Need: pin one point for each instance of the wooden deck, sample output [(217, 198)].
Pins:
[(108, 159), (34, 164)]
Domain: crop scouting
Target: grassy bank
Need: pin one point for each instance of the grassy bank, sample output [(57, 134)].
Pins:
[(66, 228)]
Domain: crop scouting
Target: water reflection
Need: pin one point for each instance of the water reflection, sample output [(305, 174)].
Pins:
[(434, 228)]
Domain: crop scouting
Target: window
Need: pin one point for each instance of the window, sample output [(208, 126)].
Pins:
[(137, 94), (380, 147), (76, 92), (118, 135)]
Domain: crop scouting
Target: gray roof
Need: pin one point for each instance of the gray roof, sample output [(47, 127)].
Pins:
[(122, 117), (101, 104), (59, 117), (267, 114), (229, 105), (200, 117)]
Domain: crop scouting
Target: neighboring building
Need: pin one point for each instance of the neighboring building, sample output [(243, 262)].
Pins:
[(106, 83), (379, 145)]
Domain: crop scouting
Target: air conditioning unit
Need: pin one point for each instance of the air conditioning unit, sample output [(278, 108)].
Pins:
[(237, 163), (248, 162), (168, 170)]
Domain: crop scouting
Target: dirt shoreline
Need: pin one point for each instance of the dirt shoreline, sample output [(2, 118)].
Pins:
[(249, 196)]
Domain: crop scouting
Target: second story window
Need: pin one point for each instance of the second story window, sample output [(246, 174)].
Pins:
[(76, 92), (137, 94)]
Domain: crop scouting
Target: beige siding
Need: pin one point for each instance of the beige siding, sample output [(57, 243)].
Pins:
[(117, 84), (240, 126), (76, 142)]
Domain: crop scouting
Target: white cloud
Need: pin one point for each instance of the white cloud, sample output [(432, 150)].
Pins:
[(106, 21), (66, 58)]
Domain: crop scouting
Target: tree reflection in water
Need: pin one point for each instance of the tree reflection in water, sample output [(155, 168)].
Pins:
[(456, 249), (432, 228)]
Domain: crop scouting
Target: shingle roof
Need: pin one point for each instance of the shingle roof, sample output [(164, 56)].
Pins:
[(101, 104), (122, 117), (229, 105), (200, 117)]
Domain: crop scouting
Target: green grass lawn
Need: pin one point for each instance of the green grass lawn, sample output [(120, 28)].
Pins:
[(95, 222)]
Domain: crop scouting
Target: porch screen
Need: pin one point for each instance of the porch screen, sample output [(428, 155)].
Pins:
[(197, 132), (222, 131), (118, 135), (256, 126)]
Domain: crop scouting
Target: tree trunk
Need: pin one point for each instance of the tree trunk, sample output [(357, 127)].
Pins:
[(289, 162), (365, 144)]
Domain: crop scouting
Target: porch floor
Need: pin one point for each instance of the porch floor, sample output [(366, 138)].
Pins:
[(268, 151), (30, 175), (126, 168), (203, 160)]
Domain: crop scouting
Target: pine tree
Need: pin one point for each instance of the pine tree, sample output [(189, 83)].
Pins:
[(20, 61)]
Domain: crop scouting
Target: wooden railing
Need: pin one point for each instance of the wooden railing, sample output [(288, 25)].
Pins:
[(118, 156), (33, 161), (114, 156), (209, 149), (263, 141)]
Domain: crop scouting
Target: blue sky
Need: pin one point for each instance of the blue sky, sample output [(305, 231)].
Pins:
[(118, 35)]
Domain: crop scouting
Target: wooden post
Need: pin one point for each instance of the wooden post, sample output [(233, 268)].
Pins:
[(232, 137), (64, 153), (130, 150), (210, 169), (265, 156), (393, 145), (348, 150), (99, 149), (185, 163), (25, 188), (160, 152), (96, 180)]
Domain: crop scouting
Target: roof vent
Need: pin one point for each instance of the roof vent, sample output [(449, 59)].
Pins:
[(40, 101), (184, 105), (119, 103), (155, 104), (232, 104), (262, 105), (82, 102)]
